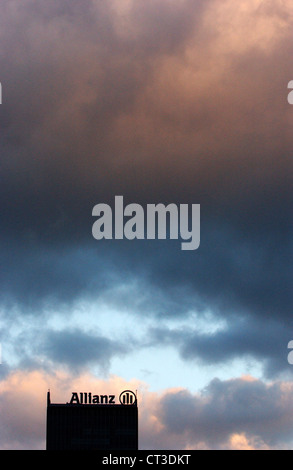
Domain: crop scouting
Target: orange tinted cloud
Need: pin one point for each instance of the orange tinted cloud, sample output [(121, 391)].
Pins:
[(171, 419)]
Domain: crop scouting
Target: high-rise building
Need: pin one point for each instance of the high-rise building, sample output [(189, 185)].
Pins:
[(93, 422)]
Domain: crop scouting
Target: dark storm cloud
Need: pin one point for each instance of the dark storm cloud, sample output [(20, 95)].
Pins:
[(66, 84), (153, 104), (39, 277)]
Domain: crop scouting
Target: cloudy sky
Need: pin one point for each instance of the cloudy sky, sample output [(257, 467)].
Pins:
[(160, 101)]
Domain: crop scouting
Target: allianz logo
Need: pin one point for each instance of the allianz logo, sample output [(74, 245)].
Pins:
[(127, 397)]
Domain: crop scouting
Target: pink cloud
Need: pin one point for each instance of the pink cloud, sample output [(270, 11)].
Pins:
[(173, 419)]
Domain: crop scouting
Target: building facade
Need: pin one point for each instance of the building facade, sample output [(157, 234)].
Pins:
[(93, 422)]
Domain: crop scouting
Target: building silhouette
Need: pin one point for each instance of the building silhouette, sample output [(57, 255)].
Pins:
[(93, 422)]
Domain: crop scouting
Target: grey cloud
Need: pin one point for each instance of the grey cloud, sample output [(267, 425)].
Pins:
[(75, 348), (247, 338), (260, 411)]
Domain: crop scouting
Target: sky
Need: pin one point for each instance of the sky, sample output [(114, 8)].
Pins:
[(164, 101)]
